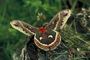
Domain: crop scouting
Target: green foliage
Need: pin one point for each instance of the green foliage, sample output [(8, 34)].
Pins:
[(27, 10)]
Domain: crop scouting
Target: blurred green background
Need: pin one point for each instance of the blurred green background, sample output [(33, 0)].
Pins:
[(27, 10)]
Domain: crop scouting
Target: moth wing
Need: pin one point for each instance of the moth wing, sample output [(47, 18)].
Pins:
[(59, 20), (24, 27)]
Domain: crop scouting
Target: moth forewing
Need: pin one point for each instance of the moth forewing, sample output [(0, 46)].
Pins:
[(62, 19), (59, 20), (23, 27)]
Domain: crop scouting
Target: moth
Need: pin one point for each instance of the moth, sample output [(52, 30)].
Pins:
[(46, 38)]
